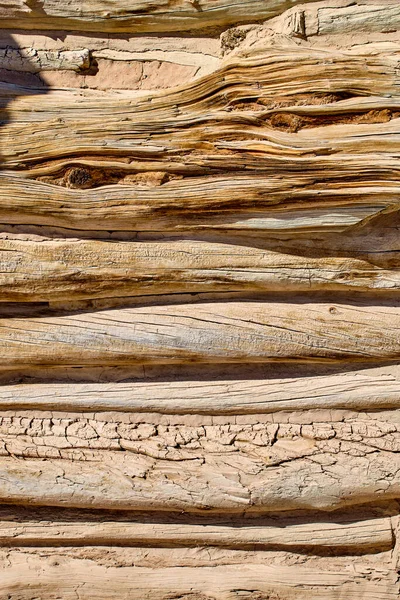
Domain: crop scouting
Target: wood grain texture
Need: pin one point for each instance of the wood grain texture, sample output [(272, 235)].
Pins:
[(54, 271), (145, 16), (206, 482), (226, 391), (199, 311), (70, 576), (106, 461), (363, 535), (217, 332)]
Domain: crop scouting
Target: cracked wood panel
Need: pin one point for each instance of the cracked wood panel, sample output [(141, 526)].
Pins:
[(169, 403), (106, 461)]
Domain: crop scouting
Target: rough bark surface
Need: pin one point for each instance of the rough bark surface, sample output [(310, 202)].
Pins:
[(199, 300)]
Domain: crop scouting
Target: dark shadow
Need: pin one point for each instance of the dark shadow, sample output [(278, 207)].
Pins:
[(19, 76)]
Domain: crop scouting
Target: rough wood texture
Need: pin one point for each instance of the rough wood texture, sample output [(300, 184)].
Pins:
[(207, 332), (199, 300), (216, 390), (136, 17)]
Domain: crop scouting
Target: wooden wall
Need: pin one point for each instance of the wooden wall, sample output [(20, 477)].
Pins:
[(199, 300)]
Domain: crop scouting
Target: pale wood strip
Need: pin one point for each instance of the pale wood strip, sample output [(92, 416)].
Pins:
[(70, 578), (74, 270), (220, 393), (357, 536), (212, 480), (251, 331)]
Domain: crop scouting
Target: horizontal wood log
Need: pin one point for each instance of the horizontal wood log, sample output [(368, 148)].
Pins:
[(70, 576), (231, 203), (217, 332), (194, 158), (347, 19), (73, 270), (213, 482), (224, 392), (213, 114), (360, 536), (121, 16)]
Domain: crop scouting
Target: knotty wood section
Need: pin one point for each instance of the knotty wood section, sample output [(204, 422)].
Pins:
[(199, 300)]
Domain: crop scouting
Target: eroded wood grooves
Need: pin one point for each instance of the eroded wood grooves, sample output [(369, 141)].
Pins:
[(199, 300)]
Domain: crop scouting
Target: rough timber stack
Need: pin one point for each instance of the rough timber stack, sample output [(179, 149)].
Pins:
[(199, 317)]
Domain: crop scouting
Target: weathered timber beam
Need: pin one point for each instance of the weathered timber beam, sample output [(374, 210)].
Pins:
[(207, 112), (358, 536), (369, 389), (146, 16), (374, 16), (213, 481), (46, 576), (217, 332), (72, 270), (252, 202)]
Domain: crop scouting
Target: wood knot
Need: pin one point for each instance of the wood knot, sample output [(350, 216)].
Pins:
[(78, 178)]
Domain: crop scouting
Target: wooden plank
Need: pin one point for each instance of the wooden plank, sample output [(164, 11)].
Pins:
[(145, 16), (231, 203), (48, 576), (223, 392), (215, 332), (359, 536), (348, 19), (73, 270), (209, 481)]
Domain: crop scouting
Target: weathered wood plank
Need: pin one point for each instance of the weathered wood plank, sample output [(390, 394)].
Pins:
[(73, 270), (207, 481), (359, 536), (145, 16), (47, 577), (229, 203), (33, 61), (215, 332), (224, 392), (212, 114), (347, 19)]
